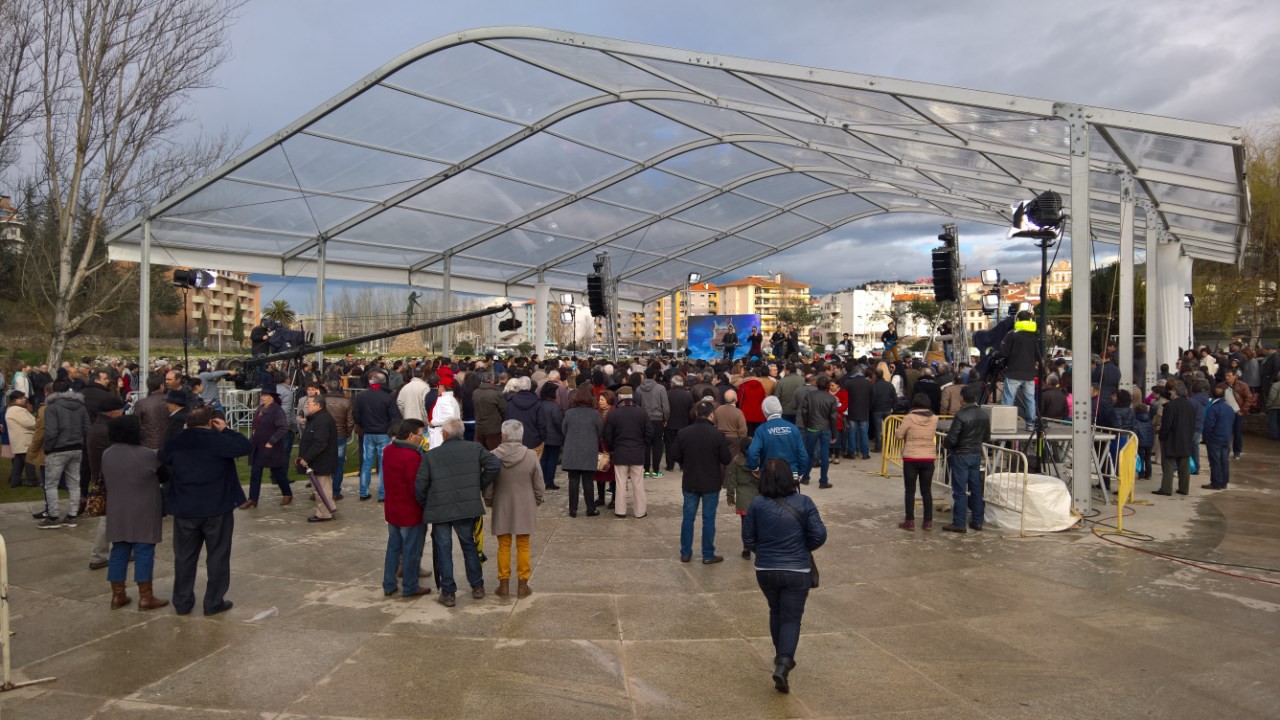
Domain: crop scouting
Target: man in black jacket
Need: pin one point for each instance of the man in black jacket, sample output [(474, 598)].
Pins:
[(858, 387), (883, 396), (374, 412), (318, 450), (1022, 350), (204, 491), (680, 402), (816, 413), (1177, 441), (929, 387), (970, 428), (702, 451)]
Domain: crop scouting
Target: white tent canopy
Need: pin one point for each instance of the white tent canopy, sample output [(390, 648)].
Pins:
[(499, 161)]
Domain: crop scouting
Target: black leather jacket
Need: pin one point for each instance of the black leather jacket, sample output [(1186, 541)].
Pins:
[(969, 429)]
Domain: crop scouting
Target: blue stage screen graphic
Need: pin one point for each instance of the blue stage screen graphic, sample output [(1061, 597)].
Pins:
[(706, 334)]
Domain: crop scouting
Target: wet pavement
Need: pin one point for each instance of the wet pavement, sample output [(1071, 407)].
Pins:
[(920, 625)]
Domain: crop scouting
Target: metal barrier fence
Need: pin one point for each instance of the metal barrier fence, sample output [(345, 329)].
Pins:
[(5, 632), (1004, 478), (891, 445)]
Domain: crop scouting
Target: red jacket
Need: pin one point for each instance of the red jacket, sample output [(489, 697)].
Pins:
[(842, 406), (399, 471), (750, 396)]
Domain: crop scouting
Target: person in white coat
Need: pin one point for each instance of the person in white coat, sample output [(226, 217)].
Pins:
[(412, 399), (446, 408)]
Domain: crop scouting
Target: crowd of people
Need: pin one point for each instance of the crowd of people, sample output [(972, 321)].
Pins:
[(453, 442)]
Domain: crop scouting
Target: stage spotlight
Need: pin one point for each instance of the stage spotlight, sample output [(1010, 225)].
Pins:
[(991, 302), (566, 298), (1038, 219), (694, 277), (198, 279), (990, 277), (566, 317)]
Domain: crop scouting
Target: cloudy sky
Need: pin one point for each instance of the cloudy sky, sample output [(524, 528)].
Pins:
[(1212, 60)]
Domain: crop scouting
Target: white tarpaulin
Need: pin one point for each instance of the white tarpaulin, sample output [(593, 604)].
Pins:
[(1048, 504)]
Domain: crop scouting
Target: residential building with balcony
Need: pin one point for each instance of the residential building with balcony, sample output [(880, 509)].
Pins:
[(864, 314), (763, 296), (217, 306)]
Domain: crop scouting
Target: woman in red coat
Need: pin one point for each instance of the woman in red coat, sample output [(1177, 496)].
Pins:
[(605, 400), (751, 394)]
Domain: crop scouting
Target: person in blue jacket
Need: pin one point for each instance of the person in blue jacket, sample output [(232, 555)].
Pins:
[(777, 438), (1219, 419)]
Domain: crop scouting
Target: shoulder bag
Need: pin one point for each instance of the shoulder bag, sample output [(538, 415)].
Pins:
[(813, 564)]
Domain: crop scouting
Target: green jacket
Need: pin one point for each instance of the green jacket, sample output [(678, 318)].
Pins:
[(745, 485), (452, 478), (785, 391)]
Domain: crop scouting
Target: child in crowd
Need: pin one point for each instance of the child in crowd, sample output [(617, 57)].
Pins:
[(743, 487)]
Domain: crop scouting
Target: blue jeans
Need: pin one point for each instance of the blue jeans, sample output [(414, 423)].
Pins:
[(1025, 392), (710, 501), (858, 443), (1219, 464), (442, 551), (877, 427), (372, 452), (786, 592), (550, 456), (818, 445), (279, 476), (1273, 424), (966, 489), (342, 466), (144, 559), (404, 552), (1237, 435)]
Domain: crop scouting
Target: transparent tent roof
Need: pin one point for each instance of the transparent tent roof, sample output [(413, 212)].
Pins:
[(513, 153)]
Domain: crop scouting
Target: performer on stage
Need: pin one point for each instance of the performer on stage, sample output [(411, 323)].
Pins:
[(947, 338), (755, 345), (729, 342), (890, 340)]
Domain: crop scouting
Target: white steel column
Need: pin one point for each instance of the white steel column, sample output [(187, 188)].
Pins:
[(319, 324), (446, 341), (541, 296), (1081, 320), (1124, 347), (675, 324), (144, 309), (1153, 339)]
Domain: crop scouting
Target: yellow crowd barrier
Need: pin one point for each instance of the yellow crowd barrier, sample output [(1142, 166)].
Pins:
[(891, 445)]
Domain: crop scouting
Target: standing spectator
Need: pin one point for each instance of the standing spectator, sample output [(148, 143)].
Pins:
[(21, 425), (266, 437), (743, 488), (449, 487), (318, 452), (627, 433), (883, 397), (1273, 406), (970, 428), (928, 385), (680, 402), (524, 406), (858, 388), (1219, 420), (652, 398), (490, 409), (1177, 433), (444, 408), (777, 438), (1053, 401), (1240, 399), (553, 421), (134, 526), (730, 421), (154, 413), (792, 380), (340, 409), (96, 443), (406, 533), (203, 493), (374, 412), (515, 496), (702, 452), (1022, 350), (1146, 433), (816, 412), (582, 429), (411, 399), (66, 424), (919, 430), (751, 396), (606, 479), (783, 528)]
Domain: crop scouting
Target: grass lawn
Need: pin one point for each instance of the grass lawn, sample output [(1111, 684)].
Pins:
[(36, 495)]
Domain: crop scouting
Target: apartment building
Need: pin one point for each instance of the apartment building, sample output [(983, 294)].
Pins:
[(763, 296), (863, 314), (217, 306)]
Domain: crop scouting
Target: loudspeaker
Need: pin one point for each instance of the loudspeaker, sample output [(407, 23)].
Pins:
[(595, 295), (944, 276)]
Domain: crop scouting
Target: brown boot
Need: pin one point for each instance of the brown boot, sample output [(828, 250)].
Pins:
[(286, 500), (504, 588), (147, 601), (523, 590), (118, 597)]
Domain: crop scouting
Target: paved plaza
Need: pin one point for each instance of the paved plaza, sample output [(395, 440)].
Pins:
[(906, 625)]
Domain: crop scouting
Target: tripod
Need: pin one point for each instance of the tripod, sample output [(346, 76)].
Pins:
[(1039, 435)]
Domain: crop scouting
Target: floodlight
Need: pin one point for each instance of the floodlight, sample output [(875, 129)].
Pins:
[(511, 324), (990, 277), (566, 298), (199, 279), (991, 301), (1038, 219), (694, 277), (566, 317)]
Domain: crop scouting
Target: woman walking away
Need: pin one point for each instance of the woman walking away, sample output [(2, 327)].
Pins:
[(270, 425), (553, 444), (132, 474), (918, 429), (514, 497), (606, 479), (744, 486), (783, 529), (582, 427)]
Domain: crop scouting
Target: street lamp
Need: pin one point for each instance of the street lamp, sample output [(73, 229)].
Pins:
[(1189, 302), (688, 307)]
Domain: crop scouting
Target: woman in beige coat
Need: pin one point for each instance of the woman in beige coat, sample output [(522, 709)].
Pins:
[(918, 429), (514, 497), (22, 426)]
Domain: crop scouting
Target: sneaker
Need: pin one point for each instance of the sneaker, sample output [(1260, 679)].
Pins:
[(69, 521), (49, 523), (907, 524), (928, 525), (657, 474), (449, 600), (40, 515)]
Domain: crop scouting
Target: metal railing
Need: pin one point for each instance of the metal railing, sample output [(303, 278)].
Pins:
[(1004, 478), (5, 632), (891, 445)]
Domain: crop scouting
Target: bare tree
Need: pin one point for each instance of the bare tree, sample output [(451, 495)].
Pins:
[(19, 35), (114, 78)]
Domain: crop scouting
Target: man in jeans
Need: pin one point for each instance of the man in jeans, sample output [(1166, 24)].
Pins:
[(340, 409), (970, 428), (66, 425), (1023, 352), (449, 487), (702, 451), (816, 412), (858, 387), (1219, 419), (374, 412)]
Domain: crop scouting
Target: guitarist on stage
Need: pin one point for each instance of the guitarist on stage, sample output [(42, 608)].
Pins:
[(729, 342), (890, 340)]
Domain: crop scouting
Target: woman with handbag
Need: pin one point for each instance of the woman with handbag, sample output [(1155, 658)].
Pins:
[(605, 477), (783, 529), (580, 454)]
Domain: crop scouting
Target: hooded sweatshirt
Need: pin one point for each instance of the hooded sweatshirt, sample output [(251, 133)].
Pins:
[(66, 422), (918, 428), (653, 398)]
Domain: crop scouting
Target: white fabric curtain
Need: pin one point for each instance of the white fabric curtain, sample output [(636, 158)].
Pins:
[(1174, 282)]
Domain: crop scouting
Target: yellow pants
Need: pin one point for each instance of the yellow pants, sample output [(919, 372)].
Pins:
[(522, 557)]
